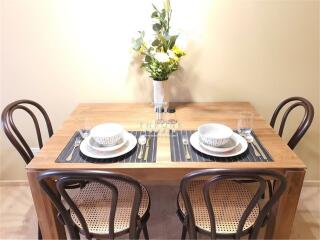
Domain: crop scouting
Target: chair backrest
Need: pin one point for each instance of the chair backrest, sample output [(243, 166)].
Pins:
[(215, 177), (58, 193), (304, 124), (12, 132)]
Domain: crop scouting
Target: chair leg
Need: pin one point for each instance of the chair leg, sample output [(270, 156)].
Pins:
[(184, 232), (270, 188), (138, 233), (77, 232), (145, 231), (39, 233)]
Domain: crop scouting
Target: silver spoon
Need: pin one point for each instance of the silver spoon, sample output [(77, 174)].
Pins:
[(142, 140), (83, 133), (76, 144), (185, 143), (249, 139)]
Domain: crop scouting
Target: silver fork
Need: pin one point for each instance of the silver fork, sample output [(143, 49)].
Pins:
[(76, 144), (259, 148), (185, 144)]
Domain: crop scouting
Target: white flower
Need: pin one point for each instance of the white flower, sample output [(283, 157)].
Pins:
[(162, 57)]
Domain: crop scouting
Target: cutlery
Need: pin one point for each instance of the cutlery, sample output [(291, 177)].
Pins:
[(142, 140), (250, 140), (185, 144), (84, 133), (259, 148), (76, 144), (146, 151)]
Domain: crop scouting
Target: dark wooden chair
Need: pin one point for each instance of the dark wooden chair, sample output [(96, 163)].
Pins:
[(12, 132), (304, 124), (108, 206), (14, 135), (215, 203)]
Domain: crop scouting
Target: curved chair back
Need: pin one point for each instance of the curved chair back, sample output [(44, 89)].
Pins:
[(304, 124), (222, 175), (12, 132), (65, 178)]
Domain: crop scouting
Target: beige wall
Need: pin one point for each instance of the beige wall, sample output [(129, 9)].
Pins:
[(64, 52)]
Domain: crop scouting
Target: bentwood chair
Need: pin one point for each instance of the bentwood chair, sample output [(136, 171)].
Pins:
[(12, 132), (14, 135), (215, 203), (305, 123), (108, 206)]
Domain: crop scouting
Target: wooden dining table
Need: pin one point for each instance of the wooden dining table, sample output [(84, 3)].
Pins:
[(189, 117)]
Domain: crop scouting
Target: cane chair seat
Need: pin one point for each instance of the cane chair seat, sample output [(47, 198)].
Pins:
[(229, 200), (94, 202)]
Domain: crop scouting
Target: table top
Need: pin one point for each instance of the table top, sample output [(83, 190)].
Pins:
[(189, 116)]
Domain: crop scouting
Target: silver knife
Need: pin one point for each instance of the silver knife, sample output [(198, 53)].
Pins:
[(259, 148), (146, 149)]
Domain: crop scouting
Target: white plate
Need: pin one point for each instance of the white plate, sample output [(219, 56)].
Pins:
[(107, 149), (230, 145), (90, 152), (241, 147)]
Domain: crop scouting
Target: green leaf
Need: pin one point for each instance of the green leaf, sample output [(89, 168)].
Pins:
[(156, 27), (172, 41), (155, 8), (136, 44), (164, 42), (162, 38), (147, 59), (155, 14), (142, 33), (156, 42), (163, 14)]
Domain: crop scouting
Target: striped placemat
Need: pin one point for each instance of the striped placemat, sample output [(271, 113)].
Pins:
[(130, 157), (178, 151)]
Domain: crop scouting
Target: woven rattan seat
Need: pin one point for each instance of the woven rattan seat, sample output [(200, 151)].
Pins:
[(229, 200), (94, 202)]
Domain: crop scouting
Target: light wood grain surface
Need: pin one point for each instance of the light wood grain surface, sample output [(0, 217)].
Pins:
[(189, 116)]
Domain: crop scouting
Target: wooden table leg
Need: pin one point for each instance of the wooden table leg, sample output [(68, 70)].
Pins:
[(280, 223), (46, 212)]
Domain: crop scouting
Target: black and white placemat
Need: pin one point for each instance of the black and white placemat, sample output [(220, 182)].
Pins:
[(130, 157), (178, 151)]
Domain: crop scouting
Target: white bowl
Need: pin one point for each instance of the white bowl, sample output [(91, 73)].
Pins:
[(229, 146), (98, 147), (214, 134), (107, 134)]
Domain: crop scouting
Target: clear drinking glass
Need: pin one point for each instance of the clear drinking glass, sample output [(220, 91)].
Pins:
[(174, 128), (159, 114), (144, 127), (171, 116), (160, 110), (85, 123), (171, 120), (245, 123)]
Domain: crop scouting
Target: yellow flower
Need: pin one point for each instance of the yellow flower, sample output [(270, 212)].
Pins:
[(143, 48), (178, 51), (173, 56)]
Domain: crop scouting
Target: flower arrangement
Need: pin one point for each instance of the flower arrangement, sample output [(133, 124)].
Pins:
[(161, 55)]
